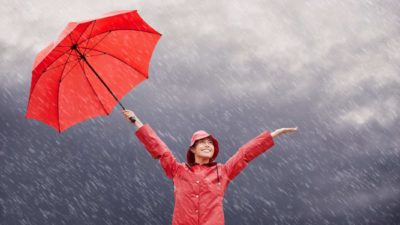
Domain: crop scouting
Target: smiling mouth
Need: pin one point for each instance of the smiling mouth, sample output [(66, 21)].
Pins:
[(206, 150)]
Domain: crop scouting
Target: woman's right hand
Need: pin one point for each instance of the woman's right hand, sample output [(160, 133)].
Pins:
[(128, 114), (132, 118)]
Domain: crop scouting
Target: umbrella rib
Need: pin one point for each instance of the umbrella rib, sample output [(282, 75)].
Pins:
[(55, 67), (65, 65), (70, 38), (97, 42), (83, 69), (119, 60), (57, 50), (34, 87), (58, 95), (91, 31), (64, 46), (69, 35), (55, 60), (101, 53), (81, 34), (58, 107), (63, 77), (118, 30), (57, 57), (62, 64)]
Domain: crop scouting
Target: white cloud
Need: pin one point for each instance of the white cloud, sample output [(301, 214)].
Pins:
[(358, 116)]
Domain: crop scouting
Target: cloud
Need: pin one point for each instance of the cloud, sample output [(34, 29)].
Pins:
[(233, 68), (385, 112)]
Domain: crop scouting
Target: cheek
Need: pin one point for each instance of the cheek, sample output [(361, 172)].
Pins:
[(197, 151)]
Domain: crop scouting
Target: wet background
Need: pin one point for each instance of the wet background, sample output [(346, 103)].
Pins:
[(233, 68)]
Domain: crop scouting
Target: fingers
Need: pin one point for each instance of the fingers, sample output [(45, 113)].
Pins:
[(290, 129), (127, 111), (287, 130), (128, 114)]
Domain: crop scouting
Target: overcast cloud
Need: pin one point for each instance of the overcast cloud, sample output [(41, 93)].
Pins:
[(233, 68)]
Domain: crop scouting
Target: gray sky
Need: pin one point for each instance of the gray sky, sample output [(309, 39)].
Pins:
[(233, 68)]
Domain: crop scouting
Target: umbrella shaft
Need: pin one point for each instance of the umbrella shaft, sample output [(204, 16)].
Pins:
[(98, 76)]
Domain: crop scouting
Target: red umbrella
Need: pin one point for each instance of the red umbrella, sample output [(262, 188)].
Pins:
[(91, 66)]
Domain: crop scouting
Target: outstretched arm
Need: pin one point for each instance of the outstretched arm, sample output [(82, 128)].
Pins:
[(154, 145), (248, 152), (252, 150)]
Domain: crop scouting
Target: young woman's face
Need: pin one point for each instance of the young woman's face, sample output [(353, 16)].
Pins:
[(204, 148)]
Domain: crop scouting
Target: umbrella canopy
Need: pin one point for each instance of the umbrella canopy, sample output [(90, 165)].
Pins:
[(89, 68)]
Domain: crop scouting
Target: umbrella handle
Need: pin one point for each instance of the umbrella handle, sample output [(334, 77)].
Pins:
[(133, 120)]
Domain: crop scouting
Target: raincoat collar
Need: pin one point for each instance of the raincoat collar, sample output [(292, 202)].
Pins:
[(191, 164)]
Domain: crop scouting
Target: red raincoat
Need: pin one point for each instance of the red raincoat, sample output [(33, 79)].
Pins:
[(199, 189)]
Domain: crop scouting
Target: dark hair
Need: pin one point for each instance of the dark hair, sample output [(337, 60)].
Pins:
[(197, 141)]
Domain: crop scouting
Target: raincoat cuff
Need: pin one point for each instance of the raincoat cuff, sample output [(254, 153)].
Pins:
[(270, 137), (153, 144)]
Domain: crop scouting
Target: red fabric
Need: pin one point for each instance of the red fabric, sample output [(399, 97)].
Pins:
[(65, 91), (198, 194)]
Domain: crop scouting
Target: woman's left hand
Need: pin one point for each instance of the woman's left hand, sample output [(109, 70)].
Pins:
[(281, 131)]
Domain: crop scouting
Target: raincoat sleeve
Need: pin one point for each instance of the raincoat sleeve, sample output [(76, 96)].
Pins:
[(158, 149), (248, 152)]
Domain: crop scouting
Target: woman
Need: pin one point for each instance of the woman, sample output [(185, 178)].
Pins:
[(200, 183)]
